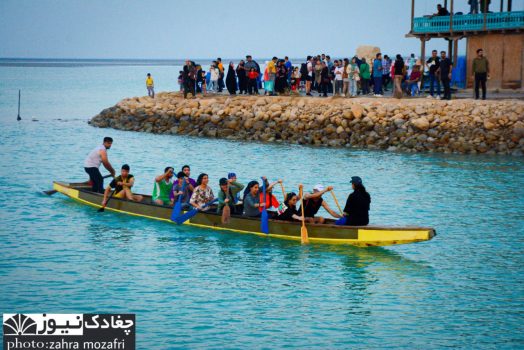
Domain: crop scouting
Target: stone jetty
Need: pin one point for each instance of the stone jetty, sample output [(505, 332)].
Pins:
[(408, 125)]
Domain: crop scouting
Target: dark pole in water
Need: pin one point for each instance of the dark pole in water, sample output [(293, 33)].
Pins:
[(18, 118)]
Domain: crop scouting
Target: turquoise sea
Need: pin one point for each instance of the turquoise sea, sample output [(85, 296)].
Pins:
[(196, 288)]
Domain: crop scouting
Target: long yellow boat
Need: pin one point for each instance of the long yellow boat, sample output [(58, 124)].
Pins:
[(328, 233)]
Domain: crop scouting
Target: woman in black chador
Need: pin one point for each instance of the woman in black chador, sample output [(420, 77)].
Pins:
[(231, 80)]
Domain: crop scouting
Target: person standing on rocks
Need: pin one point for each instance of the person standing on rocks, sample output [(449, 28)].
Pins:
[(252, 85), (189, 78), (213, 85), (444, 72), (433, 63), (354, 77), (400, 73), (339, 72), (231, 79), (386, 68), (324, 79), (309, 76), (150, 86), (242, 79), (318, 74), (96, 157), (221, 74), (364, 76), (252, 64), (377, 75), (281, 78), (480, 73)]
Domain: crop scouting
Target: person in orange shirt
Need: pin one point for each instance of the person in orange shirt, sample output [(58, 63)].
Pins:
[(270, 200), (220, 67)]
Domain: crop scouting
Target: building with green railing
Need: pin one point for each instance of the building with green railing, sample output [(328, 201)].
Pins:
[(500, 34)]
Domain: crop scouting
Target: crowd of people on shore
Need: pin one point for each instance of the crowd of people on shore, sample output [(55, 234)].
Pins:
[(171, 187), (321, 75)]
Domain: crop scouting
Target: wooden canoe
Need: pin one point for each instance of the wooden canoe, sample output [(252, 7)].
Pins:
[(329, 233)]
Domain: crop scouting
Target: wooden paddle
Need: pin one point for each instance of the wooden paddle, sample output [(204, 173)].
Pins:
[(336, 202), (110, 196), (264, 224), (303, 230), (177, 209), (188, 215), (226, 214), (105, 205), (52, 192)]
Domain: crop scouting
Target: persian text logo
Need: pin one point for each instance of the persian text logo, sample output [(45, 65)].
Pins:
[(43, 324)]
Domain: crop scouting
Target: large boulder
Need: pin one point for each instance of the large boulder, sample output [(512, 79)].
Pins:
[(368, 52)]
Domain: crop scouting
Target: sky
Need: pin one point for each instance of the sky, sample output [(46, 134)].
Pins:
[(173, 29)]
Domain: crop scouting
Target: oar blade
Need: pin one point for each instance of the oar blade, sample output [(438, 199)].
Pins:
[(50, 192), (176, 211), (304, 235), (101, 209), (226, 214), (186, 216), (264, 225)]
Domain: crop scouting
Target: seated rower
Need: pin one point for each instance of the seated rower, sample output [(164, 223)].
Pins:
[(163, 187), (122, 185), (235, 186), (192, 183), (356, 211), (226, 195), (287, 211), (181, 189), (270, 200), (251, 200), (313, 202), (202, 194)]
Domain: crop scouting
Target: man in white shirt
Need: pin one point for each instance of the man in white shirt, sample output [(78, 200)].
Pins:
[(96, 157), (339, 70)]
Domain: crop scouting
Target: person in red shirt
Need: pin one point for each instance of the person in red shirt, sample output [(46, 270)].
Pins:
[(270, 200), (252, 76), (414, 79)]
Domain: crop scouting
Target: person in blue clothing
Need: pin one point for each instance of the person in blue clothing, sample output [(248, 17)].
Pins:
[(377, 75), (289, 67)]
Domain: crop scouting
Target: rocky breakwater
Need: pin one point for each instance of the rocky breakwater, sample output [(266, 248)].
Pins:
[(410, 125)]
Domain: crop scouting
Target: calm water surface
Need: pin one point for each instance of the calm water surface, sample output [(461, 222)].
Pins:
[(195, 288)]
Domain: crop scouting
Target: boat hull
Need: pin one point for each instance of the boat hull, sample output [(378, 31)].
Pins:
[(363, 236)]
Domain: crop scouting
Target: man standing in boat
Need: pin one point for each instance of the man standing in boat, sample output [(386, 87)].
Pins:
[(96, 157)]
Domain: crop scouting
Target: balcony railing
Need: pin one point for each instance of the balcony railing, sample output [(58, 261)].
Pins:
[(473, 22)]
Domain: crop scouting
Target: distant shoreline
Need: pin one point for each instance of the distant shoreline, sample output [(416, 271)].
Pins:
[(99, 62)]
